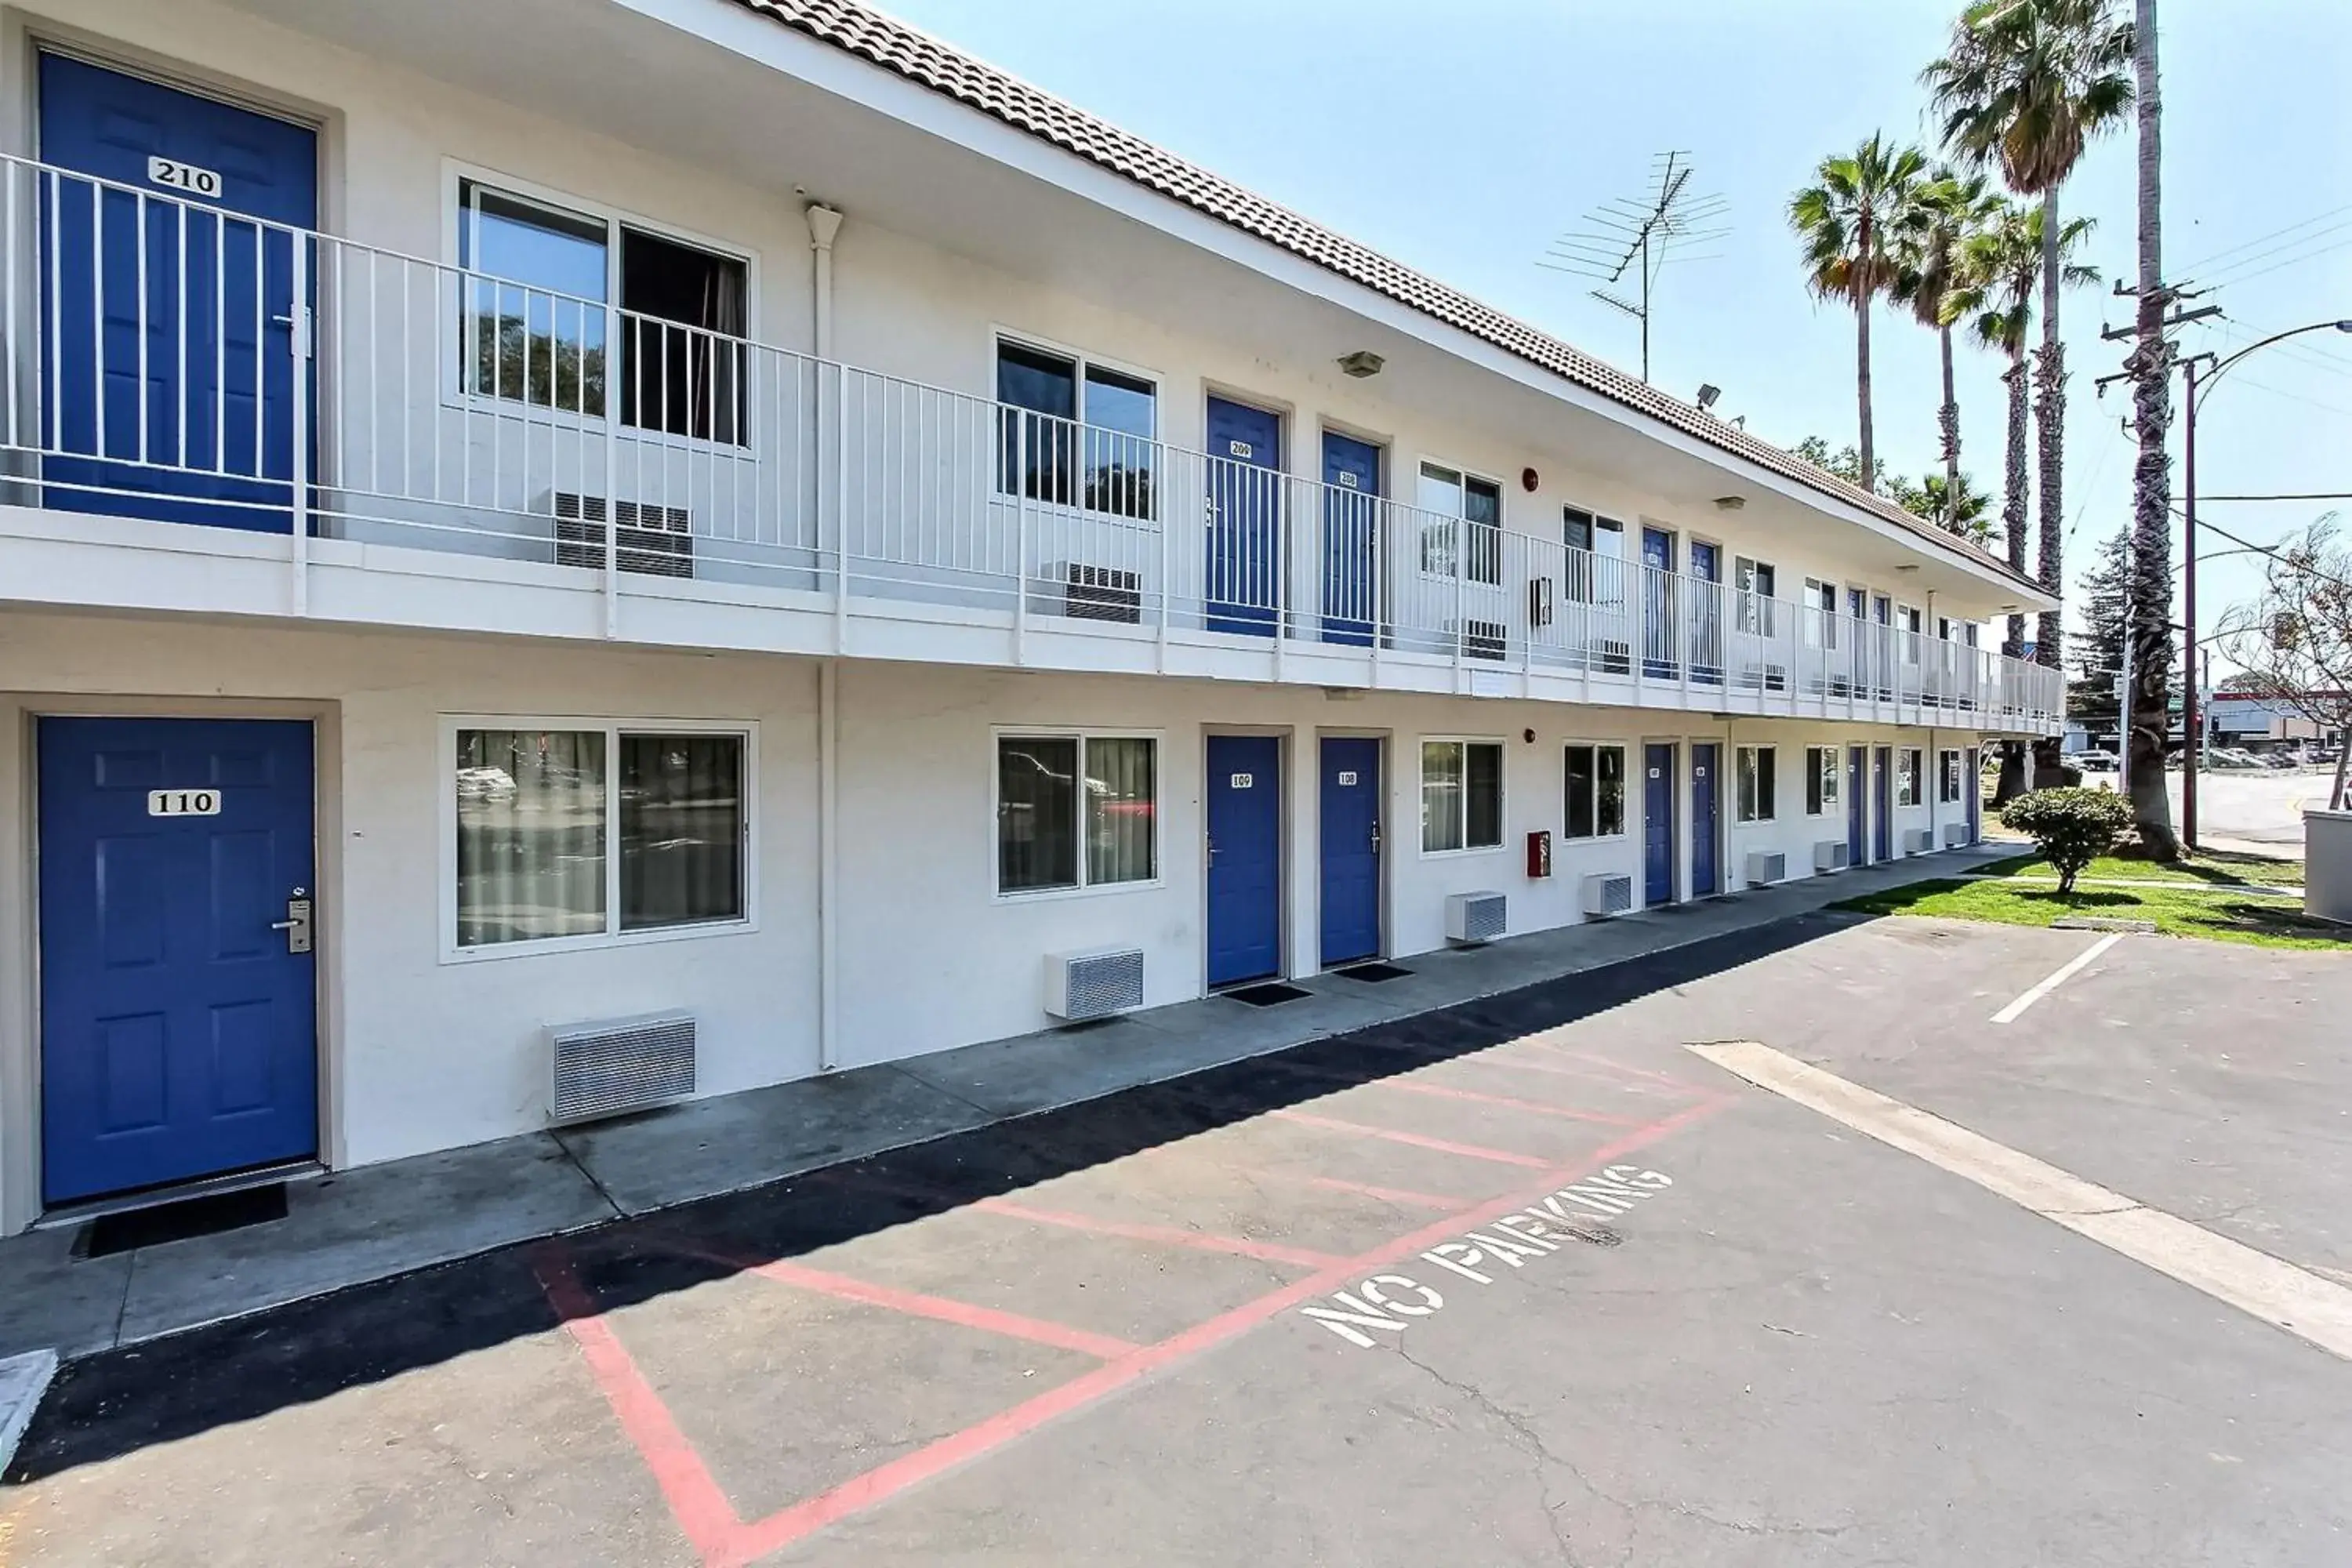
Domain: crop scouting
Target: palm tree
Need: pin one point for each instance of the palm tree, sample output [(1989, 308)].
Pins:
[(1950, 210), (1956, 506), (1849, 222), (2151, 588), (2028, 85), (2000, 273)]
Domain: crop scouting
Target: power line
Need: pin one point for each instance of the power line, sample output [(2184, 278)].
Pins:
[(2224, 273), (2271, 551), (2208, 260)]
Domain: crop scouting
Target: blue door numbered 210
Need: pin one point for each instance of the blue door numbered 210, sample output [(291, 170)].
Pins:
[(1351, 507), (168, 258)]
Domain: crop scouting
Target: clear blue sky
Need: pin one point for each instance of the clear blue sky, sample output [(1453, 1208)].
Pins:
[(1462, 136)]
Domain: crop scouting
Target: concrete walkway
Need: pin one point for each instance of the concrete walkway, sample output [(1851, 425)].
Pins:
[(383, 1220)]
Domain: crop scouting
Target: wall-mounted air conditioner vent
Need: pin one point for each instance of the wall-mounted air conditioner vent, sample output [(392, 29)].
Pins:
[(1485, 640), (1766, 866), (655, 541), (1101, 594), (1956, 834), (1608, 893), (1917, 840), (1093, 983), (1832, 854), (618, 1065), (1473, 918)]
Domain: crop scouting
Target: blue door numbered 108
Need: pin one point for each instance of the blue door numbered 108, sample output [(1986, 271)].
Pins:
[(169, 257)]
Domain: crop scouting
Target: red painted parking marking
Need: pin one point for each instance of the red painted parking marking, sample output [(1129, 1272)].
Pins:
[(701, 1510), (1362, 1189), (1619, 1067), (915, 1304), (1166, 1236), (1441, 1091), (1581, 1074), (1443, 1146)]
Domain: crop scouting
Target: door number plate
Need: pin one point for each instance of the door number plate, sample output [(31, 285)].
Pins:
[(178, 176), (1242, 780), (1347, 780), (183, 803)]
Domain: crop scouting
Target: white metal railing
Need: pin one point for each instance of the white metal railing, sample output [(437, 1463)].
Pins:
[(168, 359)]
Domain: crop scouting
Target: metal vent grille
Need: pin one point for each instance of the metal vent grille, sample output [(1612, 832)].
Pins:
[(1608, 893), (1475, 917), (1766, 866), (1102, 593), (1917, 841), (1095, 984), (657, 540), (1956, 834), (621, 1064), (1832, 854), (1485, 640)]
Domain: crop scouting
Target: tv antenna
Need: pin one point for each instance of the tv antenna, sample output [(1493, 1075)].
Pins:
[(1629, 240)]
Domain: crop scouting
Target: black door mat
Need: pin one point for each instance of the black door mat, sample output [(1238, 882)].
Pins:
[(177, 1222), (1373, 971), (1267, 995)]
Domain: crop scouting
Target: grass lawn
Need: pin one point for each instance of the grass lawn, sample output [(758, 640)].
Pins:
[(2213, 866), (2218, 916)]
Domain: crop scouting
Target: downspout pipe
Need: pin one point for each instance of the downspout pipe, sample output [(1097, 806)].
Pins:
[(823, 224)]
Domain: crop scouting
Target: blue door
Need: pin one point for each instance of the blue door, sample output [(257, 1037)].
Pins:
[(1707, 801), (1707, 612), (1882, 796), (1245, 858), (171, 357), (1659, 628), (1351, 849), (178, 1031), (1972, 778), (1245, 517), (1351, 504), (1857, 807), (1658, 825)]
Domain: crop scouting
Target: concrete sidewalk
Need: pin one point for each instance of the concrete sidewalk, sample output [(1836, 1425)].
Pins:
[(383, 1220)]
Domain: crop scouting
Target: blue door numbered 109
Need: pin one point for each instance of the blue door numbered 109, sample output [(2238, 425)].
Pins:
[(170, 257), (1245, 858), (176, 886), (1658, 824)]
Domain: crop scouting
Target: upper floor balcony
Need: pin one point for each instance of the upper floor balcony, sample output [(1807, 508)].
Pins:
[(209, 412)]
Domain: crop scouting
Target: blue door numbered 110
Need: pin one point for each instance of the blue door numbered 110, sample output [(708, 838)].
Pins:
[(1245, 858), (1658, 824), (178, 1025), (170, 275), (1244, 517), (1351, 849)]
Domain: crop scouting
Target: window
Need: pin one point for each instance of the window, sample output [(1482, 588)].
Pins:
[(1596, 791), (1596, 575), (1910, 765), (1759, 768), (1074, 433), (1949, 777), (578, 832), (1821, 779), (1076, 811), (540, 280), (1820, 613), (1470, 505), (1755, 581), (1460, 795)]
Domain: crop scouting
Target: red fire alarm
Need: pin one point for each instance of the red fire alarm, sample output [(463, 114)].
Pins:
[(1539, 853)]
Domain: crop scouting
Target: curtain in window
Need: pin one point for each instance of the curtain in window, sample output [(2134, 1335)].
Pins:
[(681, 829), (688, 310), (1121, 800), (1036, 823), (1613, 792), (1483, 795), (530, 835), (1441, 795)]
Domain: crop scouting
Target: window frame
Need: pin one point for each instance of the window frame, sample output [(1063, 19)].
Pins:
[(1912, 792), (457, 173), (1502, 794), (1081, 361), (1824, 781), (1951, 765), (1753, 612), (1568, 833), (613, 730), (1082, 889), (1456, 534), (1742, 759)]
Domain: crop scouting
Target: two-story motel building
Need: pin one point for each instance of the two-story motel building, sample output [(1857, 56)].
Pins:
[(748, 518)]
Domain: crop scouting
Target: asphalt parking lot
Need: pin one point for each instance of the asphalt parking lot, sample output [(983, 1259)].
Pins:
[(1523, 1281)]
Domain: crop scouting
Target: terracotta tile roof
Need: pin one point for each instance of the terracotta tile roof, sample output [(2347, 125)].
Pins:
[(915, 54)]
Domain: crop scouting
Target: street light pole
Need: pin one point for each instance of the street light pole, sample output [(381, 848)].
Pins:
[(2189, 719)]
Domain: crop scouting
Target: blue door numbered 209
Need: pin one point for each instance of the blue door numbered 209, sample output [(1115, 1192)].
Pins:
[(1244, 517)]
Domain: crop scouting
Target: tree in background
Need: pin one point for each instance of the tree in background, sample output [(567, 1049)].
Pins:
[(2151, 367), (2026, 85), (2096, 651), (2292, 642), (1954, 505), (1850, 222), (1950, 210)]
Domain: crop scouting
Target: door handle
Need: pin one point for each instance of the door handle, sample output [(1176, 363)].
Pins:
[(297, 924), (1376, 837)]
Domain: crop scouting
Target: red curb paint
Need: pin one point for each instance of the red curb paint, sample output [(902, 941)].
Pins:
[(1440, 1091), (781, 1529), (701, 1510), (1333, 1125), (915, 1304), (1167, 1235)]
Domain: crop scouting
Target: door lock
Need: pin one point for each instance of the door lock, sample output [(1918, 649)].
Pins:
[(297, 924), (1376, 837)]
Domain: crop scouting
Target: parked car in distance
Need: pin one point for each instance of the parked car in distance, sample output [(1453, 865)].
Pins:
[(2094, 761), (2232, 757)]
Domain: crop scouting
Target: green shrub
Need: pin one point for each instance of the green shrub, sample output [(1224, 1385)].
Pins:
[(2072, 828)]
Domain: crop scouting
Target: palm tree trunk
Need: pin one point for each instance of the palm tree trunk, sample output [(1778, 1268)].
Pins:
[(1868, 446), (2050, 375), (1948, 419), (2014, 508), (2151, 586)]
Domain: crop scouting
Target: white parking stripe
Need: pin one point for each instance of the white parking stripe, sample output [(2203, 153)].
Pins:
[(2073, 967), (2279, 1293)]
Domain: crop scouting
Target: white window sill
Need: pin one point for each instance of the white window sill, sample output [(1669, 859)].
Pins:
[(1467, 852), (541, 947), (1095, 890)]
